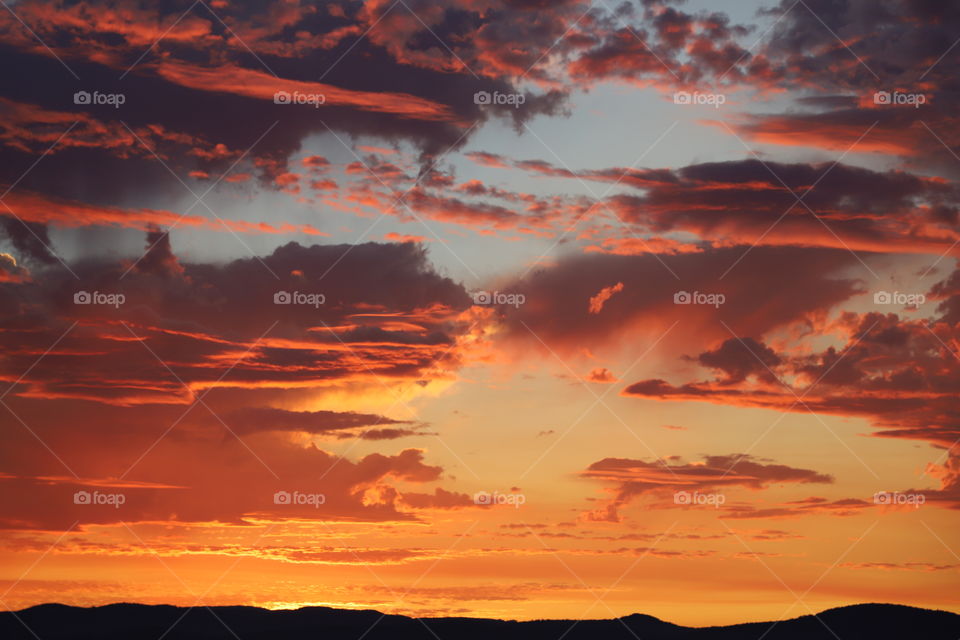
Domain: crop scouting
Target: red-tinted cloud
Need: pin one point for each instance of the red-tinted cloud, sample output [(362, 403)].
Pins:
[(634, 478), (556, 308), (899, 374)]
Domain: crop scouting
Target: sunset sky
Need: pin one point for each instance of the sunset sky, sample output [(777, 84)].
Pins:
[(501, 308)]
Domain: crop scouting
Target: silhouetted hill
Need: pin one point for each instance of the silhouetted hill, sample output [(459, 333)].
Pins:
[(146, 622)]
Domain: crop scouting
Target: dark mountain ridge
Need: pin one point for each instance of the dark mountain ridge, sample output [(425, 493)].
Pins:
[(153, 622)]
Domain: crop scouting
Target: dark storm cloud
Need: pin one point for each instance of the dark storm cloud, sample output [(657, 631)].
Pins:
[(200, 98)]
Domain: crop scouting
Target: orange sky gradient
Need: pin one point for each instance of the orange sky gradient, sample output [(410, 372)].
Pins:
[(584, 352)]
